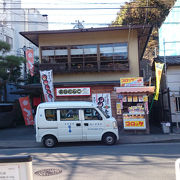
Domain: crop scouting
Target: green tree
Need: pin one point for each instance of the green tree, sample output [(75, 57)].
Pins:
[(148, 12), (10, 67)]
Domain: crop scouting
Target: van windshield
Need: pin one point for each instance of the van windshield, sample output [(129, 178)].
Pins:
[(106, 115)]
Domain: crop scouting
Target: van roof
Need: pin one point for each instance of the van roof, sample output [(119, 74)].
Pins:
[(67, 104)]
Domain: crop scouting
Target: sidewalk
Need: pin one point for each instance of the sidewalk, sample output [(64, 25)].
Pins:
[(24, 137)]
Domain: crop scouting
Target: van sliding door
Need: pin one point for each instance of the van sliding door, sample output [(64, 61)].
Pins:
[(70, 125)]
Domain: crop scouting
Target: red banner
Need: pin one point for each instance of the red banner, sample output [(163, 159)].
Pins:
[(30, 61), (26, 110)]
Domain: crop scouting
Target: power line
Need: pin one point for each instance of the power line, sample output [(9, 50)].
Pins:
[(61, 3), (75, 9), (94, 14), (171, 23), (55, 22)]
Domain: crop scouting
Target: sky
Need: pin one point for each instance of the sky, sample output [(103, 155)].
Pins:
[(63, 18), (169, 36)]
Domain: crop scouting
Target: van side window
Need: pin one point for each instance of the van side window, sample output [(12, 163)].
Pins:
[(69, 114), (91, 114), (51, 114)]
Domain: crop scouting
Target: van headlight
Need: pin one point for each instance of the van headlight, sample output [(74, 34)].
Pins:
[(115, 125)]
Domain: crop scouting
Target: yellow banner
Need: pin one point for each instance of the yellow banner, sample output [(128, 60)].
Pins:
[(158, 70)]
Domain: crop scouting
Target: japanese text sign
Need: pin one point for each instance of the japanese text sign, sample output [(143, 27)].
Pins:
[(26, 110)]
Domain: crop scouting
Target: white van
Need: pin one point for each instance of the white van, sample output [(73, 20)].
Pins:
[(73, 121)]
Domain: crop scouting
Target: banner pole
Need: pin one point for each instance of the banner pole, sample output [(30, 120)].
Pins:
[(151, 104)]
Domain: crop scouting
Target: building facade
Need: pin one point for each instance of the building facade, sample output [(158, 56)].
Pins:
[(15, 19), (171, 88), (169, 52), (92, 61)]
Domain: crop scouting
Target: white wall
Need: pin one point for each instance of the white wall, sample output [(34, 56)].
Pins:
[(169, 33), (173, 82)]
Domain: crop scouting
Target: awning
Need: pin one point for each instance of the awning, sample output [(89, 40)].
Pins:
[(129, 90)]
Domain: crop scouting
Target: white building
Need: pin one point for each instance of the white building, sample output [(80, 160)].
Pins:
[(14, 19), (169, 54)]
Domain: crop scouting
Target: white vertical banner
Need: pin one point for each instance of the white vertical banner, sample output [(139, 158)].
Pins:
[(103, 100), (47, 85)]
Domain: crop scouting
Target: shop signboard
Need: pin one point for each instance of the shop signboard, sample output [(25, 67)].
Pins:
[(103, 101), (134, 124), (73, 91), (118, 108), (135, 98), (132, 82)]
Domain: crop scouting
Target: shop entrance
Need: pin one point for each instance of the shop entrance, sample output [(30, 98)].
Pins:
[(160, 112)]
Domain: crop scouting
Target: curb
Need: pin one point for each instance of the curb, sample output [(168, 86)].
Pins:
[(38, 145)]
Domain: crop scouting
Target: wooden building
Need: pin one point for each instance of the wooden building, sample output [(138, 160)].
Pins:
[(91, 59)]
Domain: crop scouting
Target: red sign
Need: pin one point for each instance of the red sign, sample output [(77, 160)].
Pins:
[(26, 110), (30, 61)]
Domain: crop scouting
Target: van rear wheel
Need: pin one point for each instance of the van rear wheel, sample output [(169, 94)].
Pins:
[(109, 139), (49, 141)]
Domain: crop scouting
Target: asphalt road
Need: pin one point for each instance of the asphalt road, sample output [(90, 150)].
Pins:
[(99, 162)]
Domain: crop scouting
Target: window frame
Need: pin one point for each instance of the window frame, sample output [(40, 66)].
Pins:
[(46, 115), (91, 112), (66, 117)]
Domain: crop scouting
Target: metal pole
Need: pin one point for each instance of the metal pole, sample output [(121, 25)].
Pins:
[(165, 65), (25, 69)]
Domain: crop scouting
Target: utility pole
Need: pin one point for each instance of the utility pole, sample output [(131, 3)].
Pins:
[(165, 66), (25, 69)]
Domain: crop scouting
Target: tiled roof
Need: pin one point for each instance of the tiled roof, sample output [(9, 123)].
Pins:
[(170, 60)]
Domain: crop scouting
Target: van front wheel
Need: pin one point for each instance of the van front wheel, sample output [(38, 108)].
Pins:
[(109, 139), (49, 141)]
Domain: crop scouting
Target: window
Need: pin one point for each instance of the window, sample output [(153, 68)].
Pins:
[(51, 114), (92, 57), (117, 51), (91, 114), (178, 104), (113, 54), (69, 114), (84, 56), (54, 55)]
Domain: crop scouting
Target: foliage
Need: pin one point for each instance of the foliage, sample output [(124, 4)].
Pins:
[(130, 14), (4, 47), (10, 68), (141, 12)]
